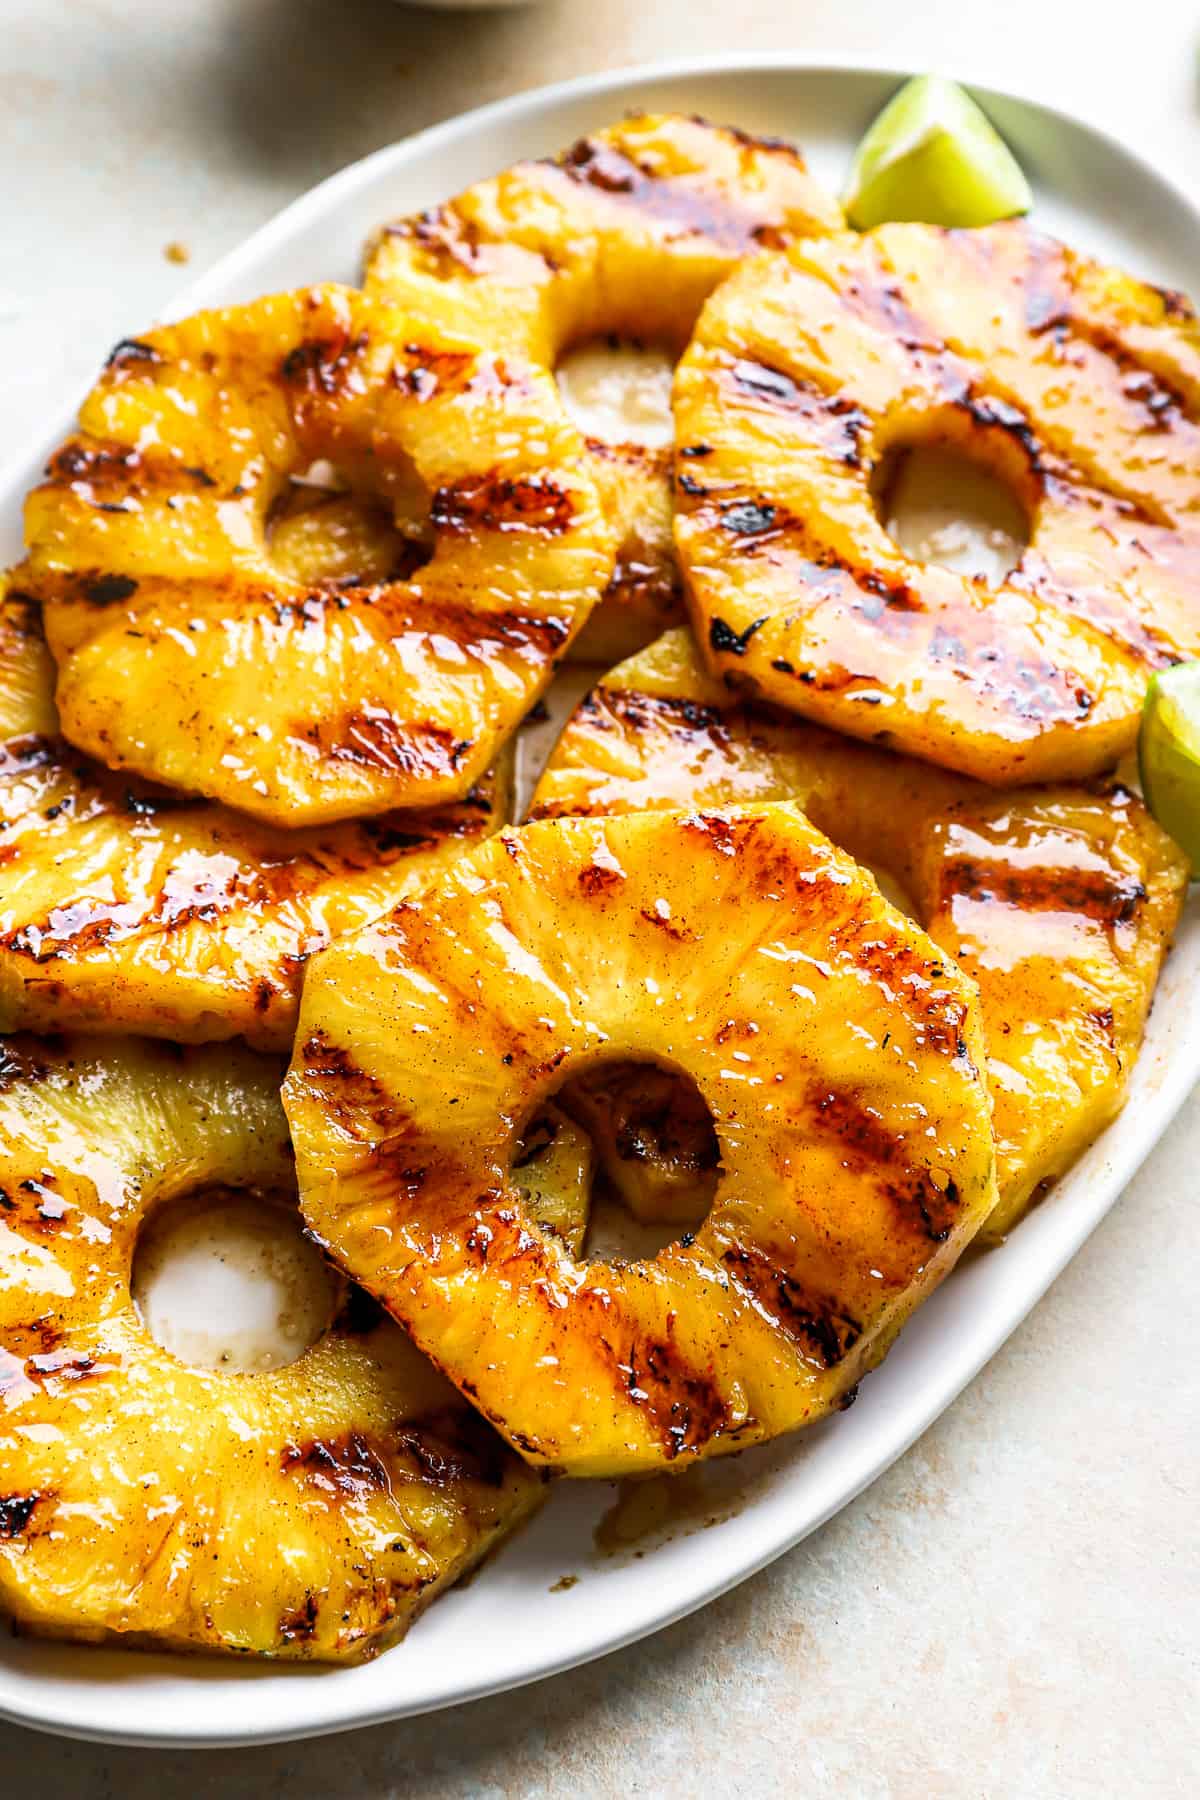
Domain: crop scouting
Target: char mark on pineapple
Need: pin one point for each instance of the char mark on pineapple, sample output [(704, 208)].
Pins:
[(345, 1468), (324, 366), (452, 1445), (841, 425), (493, 502), (682, 204), (1104, 895), (870, 1148), (822, 1330), (17, 1513)]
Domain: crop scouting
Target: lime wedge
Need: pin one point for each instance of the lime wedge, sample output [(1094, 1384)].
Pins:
[(932, 155), (1169, 755)]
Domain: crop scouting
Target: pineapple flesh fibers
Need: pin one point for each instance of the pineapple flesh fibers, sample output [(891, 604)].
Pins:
[(192, 654), (124, 907), (1076, 386), (1059, 902), (310, 1511), (837, 1049), (624, 235)]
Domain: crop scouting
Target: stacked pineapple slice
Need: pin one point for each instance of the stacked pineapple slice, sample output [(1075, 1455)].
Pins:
[(289, 591)]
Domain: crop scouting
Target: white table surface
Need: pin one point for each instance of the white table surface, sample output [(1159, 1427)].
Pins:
[(1013, 1610)]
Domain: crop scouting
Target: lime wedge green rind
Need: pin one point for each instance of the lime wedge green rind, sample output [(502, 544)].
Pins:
[(932, 155), (1169, 755)]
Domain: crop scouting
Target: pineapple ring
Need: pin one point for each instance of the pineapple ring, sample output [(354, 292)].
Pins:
[(1078, 386), (626, 234), (189, 653), (306, 1512), (1059, 903), (837, 1051), (125, 908)]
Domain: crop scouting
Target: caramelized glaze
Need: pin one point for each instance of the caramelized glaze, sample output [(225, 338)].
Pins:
[(622, 236), (1059, 902), (1072, 383), (835, 1048)]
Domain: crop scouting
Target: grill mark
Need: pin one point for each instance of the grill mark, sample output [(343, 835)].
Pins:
[(355, 1099), (685, 717), (750, 140), (105, 475), (727, 836), (183, 898), (426, 371), (680, 1403), (1104, 895), (662, 919), (206, 888), (498, 503), (325, 366), (987, 412), (98, 463), (685, 207), (107, 590), (372, 738), (35, 1205), (728, 642), (16, 1512), (1165, 408), (452, 242), (346, 1468), (824, 1333), (1048, 300), (1101, 604), (841, 423), (133, 354), (52, 1363), (1050, 308), (453, 1445), (759, 527), (600, 877), (1032, 691), (870, 1148), (752, 518), (877, 300), (299, 1626)]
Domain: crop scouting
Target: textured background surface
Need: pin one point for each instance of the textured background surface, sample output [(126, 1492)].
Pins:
[(1013, 1610)]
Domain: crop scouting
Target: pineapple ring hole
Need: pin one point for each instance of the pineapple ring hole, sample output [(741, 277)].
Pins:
[(657, 1158), (945, 508), (619, 390), (322, 529), (224, 1279)]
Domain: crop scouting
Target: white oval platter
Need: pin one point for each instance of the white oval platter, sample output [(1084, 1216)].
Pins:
[(518, 1621)]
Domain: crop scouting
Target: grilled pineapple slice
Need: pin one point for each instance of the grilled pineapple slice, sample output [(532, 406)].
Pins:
[(310, 1511), (1059, 902), (124, 907), (1076, 385), (625, 234), (837, 1049), (191, 654)]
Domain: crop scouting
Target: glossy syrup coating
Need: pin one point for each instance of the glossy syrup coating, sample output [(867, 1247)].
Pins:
[(625, 235), (191, 652), (1074, 384), (1059, 902), (125, 906), (837, 1050), (307, 1512)]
